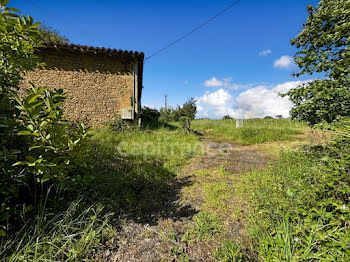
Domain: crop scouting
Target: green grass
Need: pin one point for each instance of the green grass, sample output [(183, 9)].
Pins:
[(69, 235), (297, 210), (127, 172), (254, 131), (170, 147)]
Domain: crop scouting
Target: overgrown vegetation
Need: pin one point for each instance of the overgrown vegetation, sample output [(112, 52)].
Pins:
[(300, 206), (323, 48), (166, 115), (47, 34), (253, 131), (63, 186)]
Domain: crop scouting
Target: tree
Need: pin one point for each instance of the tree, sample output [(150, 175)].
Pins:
[(189, 109), (279, 116), (226, 117), (323, 48), (47, 34)]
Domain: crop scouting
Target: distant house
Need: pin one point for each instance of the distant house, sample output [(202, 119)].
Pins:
[(101, 84)]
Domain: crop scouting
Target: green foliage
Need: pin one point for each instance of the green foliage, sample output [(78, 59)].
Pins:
[(166, 115), (149, 115), (47, 34), (55, 146), (300, 207), (36, 143), (18, 39), (230, 252), (324, 48), (188, 109), (206, 225), (227, 117), (70, 235)]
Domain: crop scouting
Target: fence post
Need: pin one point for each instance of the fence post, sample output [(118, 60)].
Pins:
[(239, 123)]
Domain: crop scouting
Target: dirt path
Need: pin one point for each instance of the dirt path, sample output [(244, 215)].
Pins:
[(170, 228)]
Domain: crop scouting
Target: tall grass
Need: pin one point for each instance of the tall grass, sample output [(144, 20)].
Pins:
[(70, 235), (127, 172), (254, 131), (297, 211)]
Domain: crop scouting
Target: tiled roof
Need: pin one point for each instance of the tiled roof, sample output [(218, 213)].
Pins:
[(96, 50)]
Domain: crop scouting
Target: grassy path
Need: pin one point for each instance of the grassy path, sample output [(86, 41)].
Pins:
[(191, 218)]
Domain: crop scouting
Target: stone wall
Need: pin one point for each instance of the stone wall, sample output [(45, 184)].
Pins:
[(97, 86)]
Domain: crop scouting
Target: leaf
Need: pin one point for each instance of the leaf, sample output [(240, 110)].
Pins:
[(34, 147), (45, 177), (31, 98), (2, 233), (24, 133), (30, 159), (4, 2), (12, 9), (20, 163)]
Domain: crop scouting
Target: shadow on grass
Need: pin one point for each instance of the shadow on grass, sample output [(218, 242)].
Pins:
[(135, 188)]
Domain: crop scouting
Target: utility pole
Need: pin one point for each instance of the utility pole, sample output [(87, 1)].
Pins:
[(166, 101)]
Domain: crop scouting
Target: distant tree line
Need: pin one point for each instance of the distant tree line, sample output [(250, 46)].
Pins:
[(170, 114)]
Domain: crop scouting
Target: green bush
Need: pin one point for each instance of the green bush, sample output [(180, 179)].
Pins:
[(37, 144), (188, 109), (54, 146)]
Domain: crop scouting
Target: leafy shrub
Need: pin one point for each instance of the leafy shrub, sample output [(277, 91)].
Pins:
[(17, 47), (188, 109), (55, 146), (166, 115), (36, 143), (149, 115), (47, 34)]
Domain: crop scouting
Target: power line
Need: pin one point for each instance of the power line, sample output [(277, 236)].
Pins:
[(194, 30)]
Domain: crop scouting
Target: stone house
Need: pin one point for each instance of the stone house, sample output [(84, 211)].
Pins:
[(101, 84)]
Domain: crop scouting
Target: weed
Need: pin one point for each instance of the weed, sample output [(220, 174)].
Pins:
[(206, 225), (230, 252)]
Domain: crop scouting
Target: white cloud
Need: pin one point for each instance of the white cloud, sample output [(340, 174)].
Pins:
[(284, 62), (225, 82), (256, 102), (215, 104), (213, 82), (265, 52), (218, 98)]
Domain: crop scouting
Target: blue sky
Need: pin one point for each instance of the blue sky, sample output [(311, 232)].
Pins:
[(223, 64)]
